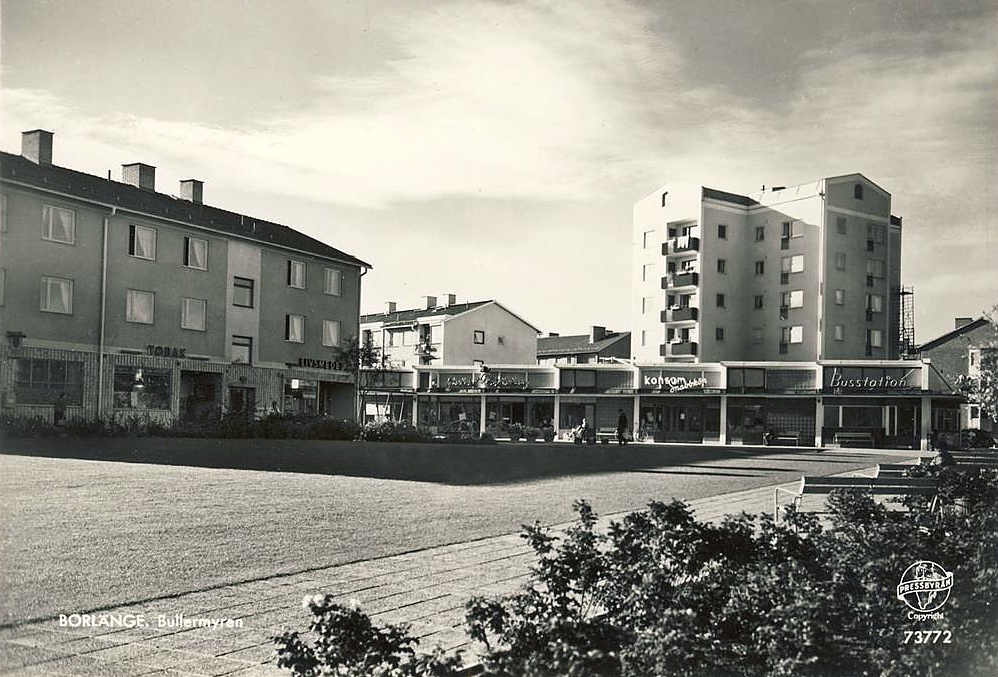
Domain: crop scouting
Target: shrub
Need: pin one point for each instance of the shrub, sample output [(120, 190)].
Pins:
[(348, 644), (391, 431), (531, 433), (973, 438), (515, 431)]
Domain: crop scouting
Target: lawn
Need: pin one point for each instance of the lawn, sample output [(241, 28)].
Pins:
[(77, 535)]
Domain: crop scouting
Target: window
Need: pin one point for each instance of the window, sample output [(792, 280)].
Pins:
[(720, 300), (242, 292), (792, 264), (793, 229), (794, 334), (644, 337), (875, 267), (294, 328), (647, 238), (196, 253), (646, 303), (758, 301), (645, 270), (797, 298), (333, 281), (857, 191), (142, 388), (876, 232), (760, 233), (3, 213), (142, 242), (840, 297), (139, 306), (722, 265), (479, 337), (874, 338), (242, 349), (875, 303), (331, 333), (841, 225), (722, 231), (840, 332), (193, 314), (760, 267), (840, 261), (57, 295), (3, 283), (663, 197), (296, 274), (757, 335), (39, 381), (500, 340), (719, 333), (58, 224)]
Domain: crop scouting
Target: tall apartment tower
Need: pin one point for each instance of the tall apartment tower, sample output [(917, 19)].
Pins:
[(795, 273)]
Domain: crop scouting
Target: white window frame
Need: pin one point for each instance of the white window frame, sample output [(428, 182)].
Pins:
[(332, 274), (875, 303), (185, 317), (288, 319), (44, 304), (840, 297), (188, 242), (875, 338), (128, 305), (47, 213), (293, 264), (133, 237), (794, 260), (796, 298), (474, 337), (327, 335), (797, 333), (840, 332)]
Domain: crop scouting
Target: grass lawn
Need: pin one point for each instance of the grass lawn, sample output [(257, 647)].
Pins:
[(76, 535)]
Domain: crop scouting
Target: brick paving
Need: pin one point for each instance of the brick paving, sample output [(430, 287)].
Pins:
[(426, 589)]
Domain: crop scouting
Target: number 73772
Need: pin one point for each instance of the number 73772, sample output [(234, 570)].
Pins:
[(928, 637)]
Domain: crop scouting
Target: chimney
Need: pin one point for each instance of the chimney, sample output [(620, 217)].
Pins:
[(390, 307), (596, 333), (450, 299), (429, 302), (139, 175), (191, 189), (553, 334), (36, 146), (962, 322)]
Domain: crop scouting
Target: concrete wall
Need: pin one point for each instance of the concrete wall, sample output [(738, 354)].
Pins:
[(244, 260)]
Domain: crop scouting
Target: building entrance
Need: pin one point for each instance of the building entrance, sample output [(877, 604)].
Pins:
[(242, 401)]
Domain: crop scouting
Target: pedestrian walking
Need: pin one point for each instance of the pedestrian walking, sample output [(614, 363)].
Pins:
[(622, 428)]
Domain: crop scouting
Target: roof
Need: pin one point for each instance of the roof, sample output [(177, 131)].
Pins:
[(950, 335), (416, 313), (579, 344), (134, 199), (728, 197)]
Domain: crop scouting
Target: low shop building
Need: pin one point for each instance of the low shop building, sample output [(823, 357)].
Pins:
[(877, 403), (118, 300)]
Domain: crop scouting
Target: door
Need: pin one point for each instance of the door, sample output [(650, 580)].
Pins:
[(242, 401)]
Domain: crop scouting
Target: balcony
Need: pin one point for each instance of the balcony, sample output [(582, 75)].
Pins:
[(784, 278), (869, 315), (869, 280), (680, 314), (684, 279), (678, 348), (784, 312), (681, 245)]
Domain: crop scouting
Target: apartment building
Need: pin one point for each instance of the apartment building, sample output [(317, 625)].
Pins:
[(448, 332), (799, 273), (958, 354), (116, 299)]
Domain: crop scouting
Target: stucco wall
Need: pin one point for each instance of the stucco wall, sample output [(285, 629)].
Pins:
[(519, 344)]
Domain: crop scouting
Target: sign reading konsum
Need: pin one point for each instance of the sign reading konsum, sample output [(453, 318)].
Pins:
[(672, 382)]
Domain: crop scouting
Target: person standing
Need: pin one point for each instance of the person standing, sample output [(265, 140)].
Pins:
[(622, 428), (59, 409)]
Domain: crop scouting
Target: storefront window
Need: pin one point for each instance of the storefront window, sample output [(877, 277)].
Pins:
[(301, 396), (141, 388), (39, 381), (862, 417)]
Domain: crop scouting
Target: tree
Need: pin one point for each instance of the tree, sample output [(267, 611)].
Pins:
[(368, 365), (982, 388)]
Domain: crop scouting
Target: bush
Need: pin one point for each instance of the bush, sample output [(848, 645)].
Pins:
[(390, 431), (348, 644), (973, 438), (531, 434), (515, 431)]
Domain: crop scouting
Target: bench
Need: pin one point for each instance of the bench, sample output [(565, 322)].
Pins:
[(844, 439), (877, 486), (975, 459), (606, 435), (893, 469), (790, 437)]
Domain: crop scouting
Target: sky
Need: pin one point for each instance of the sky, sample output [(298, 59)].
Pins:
[(496, 149)]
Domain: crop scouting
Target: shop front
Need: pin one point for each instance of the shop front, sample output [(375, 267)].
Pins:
[(679, 404), (790, 418), (893, 423)]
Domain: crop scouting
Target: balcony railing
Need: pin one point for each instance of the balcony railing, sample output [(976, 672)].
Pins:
[(681, 245), (684, 279), (683, 348), (784, 278), (680, 314), (784, 312)]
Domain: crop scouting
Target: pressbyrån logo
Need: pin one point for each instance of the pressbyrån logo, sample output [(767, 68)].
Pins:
[(925, 586)]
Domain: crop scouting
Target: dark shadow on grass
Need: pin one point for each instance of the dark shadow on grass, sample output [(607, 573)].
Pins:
[(691, 474), (454, 464)]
